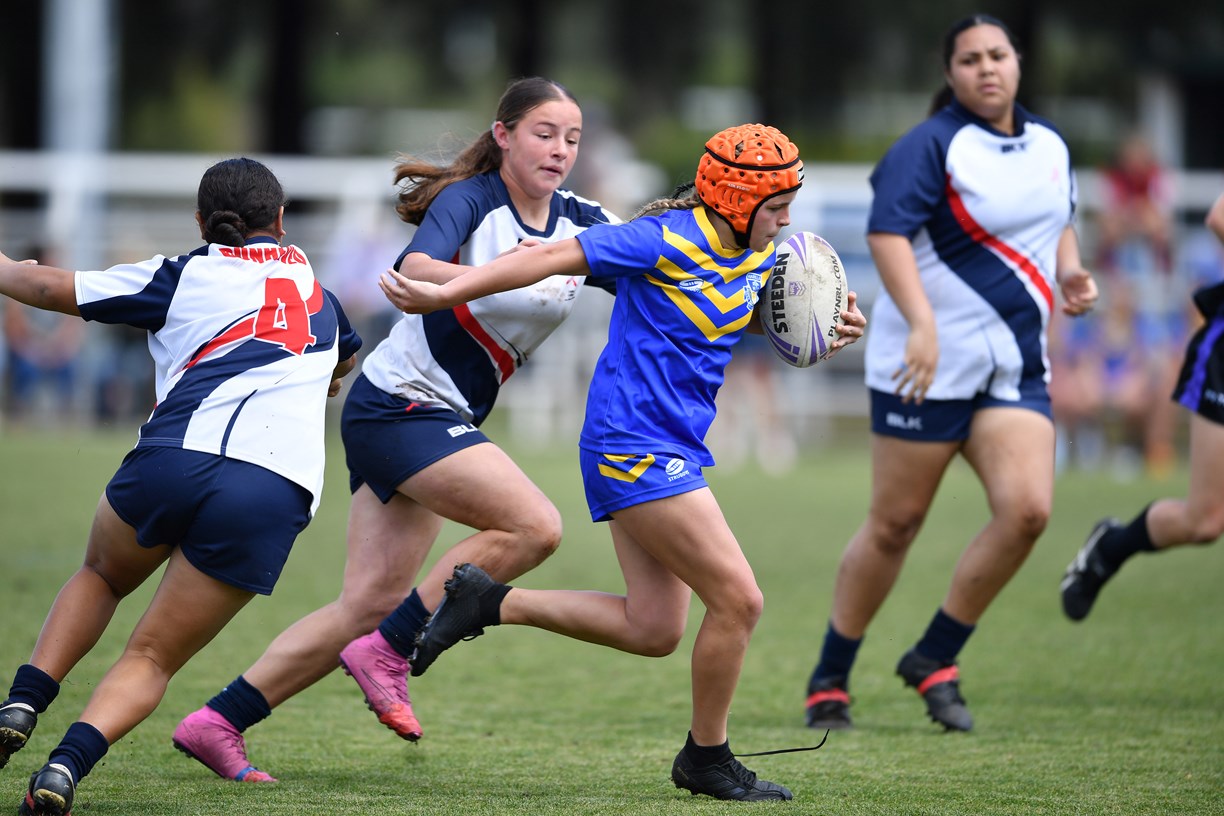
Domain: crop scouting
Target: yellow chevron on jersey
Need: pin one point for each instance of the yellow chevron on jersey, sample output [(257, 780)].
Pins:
[(627, 468), (703, 259), (724, 303), (708, 327)]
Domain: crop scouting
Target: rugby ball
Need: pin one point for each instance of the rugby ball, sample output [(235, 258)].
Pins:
[(804, 298)]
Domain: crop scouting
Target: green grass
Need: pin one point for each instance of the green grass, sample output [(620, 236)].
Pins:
[(1118, 715)]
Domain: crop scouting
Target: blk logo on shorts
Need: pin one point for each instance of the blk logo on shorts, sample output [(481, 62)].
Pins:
[(910, 423)]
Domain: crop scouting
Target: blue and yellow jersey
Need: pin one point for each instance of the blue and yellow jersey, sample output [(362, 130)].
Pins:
[(682, 301)]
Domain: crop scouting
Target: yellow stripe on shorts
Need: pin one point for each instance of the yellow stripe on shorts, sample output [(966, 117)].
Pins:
[(633, 473)]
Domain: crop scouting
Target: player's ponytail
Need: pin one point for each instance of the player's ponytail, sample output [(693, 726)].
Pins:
[(684, 197)]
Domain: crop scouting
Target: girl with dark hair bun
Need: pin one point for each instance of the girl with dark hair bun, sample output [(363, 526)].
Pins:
[(411, 427), (227, 470), (972, 230), (237, 196)]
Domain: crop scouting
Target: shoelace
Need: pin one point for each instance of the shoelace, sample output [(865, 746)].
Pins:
[(823, 740), (746, 777)]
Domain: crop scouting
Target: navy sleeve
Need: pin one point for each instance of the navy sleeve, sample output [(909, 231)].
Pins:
[(350, 341), (909, 182)]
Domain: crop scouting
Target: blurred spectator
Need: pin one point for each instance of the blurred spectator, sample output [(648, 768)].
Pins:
[(1099, 387), (123, 380), (366, 241), (43, 351), (1135, 253), (1137, 208)]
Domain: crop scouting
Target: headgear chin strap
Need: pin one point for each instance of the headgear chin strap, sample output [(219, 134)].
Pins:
[(743, 166)]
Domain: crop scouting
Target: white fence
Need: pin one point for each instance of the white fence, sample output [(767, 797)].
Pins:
[(95, 210)]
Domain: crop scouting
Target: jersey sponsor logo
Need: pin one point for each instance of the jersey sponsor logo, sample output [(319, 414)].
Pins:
[(265, 254), (676, 469), (460, 430), (902, 422), (692, 284)]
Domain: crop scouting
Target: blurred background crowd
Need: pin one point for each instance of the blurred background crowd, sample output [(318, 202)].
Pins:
[(112, 108)]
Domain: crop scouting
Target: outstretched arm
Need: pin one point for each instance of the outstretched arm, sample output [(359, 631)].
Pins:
[(44, 287), (505, 272)]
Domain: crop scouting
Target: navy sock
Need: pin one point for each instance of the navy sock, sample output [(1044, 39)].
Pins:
[(706, 754), (944, 638), (1120, 545), (34, 687), (401, 626), (80, 750), (836, 657), (241, 703)]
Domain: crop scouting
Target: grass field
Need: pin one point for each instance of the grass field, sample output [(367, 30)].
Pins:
[(1119, 715)]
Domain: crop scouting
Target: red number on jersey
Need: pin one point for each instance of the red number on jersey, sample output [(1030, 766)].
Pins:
[(285, 317)]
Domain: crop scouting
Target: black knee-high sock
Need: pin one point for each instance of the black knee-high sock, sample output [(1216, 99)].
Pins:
[(1119, 545)]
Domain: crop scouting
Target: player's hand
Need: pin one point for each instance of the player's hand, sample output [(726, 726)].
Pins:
[(854, 323), (1079, 291), (917, 370), (411, 296), (6, 259), (526, 243)]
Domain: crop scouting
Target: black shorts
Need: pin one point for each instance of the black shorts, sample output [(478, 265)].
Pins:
[(388, 438), (233, 520), (1200, 386)]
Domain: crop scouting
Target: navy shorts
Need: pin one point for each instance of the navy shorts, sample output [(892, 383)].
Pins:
[(233, 520), (939, 420), (1200, 386), (615, 482), (388, 438)]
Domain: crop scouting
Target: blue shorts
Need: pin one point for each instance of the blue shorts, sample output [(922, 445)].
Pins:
[(1200, 385), (615, 482), (939, 420), (233, 520), (388, 438)]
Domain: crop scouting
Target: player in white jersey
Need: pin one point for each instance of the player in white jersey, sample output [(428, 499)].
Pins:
[(971, 229), (411, 424), (227, 470)]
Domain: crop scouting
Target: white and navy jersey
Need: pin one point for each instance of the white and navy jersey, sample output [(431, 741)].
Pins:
[(984, 212), (460, 357), (244, 343)]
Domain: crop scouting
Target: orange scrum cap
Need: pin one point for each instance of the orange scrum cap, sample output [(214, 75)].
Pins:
[(742, 167)]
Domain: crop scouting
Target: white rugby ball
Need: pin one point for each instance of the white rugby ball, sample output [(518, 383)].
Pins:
[(804, 299)]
